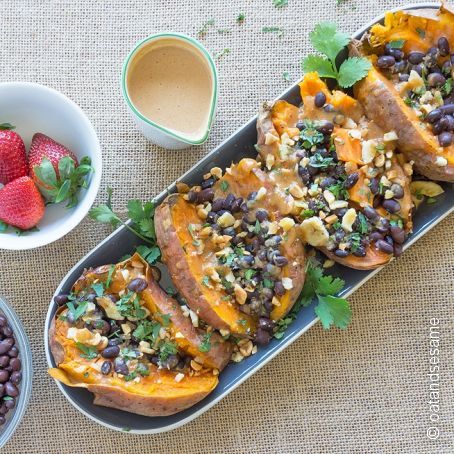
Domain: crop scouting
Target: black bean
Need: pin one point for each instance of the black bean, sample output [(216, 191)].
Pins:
[(171, 362), (398, 249), (138, 285), (391, 205), (228, 202), (384, 246), (16, 377), (262, 337), (370, 213), (266, 324), (444, 139), (252, 195), (4, 360), (6, 331), (230, 231), (11, 389), (4, 376), (435, 80), (386, 61), (360, 252), (397, 234), (327, 182), (447, 108), (378, 200), (15, 364), (383, 225), (212, 217), (400, 66), (320, 99), (325, 127), (6, 344), (192, 196), (340, 253), (304, 174), (61, 299), (279, 289), (3, 409), (351, 180), (120, 366), (415, 57), (329, 108), (111, 352), (236, 205), (262, 255), (3, 320), (246, 261), (207, 183), (448, 121), (267, 294), (2, 420), (10, 404), (217, 205), (106, 367), (437, 128), (397, 190), (114, 341), (339, 235), (300, 124), (280, 260), (205, 195), (102, 326), (403, 77), (418, 69), (397, 54), (443, 46), (312, 170), (374, 185), (237, 240), (375, 236), (434, 116), (261, 215), (273, 241)]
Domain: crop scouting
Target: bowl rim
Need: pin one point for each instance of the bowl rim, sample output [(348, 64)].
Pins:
[(95, 181), (167, 131), (27, 371)]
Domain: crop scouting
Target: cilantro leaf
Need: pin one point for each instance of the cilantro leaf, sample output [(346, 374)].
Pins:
[(240, 18), (319, 64), (273, 29), (327, 40), (333, 311), (78, 311), (397, 44), (147, 330), (166, 349), (286, 76), (205, 345), (98, 288), (87, 352), (224, 185), (104, 214), (280, 3), (150, 254), (327, 285), (352, 70), (109, 275)]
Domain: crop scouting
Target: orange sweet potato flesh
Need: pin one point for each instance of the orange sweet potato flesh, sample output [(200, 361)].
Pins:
[(187, 266), (384, 104), (348, 148), (157, 394)]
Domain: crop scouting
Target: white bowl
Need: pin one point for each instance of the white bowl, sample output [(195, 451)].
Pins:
[(35, 108)]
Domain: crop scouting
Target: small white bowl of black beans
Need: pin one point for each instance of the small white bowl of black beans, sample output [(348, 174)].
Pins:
[(15, 372)]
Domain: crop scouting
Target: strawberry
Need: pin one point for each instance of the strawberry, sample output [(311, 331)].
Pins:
[(21, 204), (13, 161), (56, 171)]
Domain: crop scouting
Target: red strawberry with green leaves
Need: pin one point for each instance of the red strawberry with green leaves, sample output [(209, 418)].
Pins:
[(21, 204), (13, 161), (55, 170)]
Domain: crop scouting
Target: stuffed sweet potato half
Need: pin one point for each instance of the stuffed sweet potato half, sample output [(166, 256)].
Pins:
[(125, 340), (350, 188), (410, 86), (231, 250)]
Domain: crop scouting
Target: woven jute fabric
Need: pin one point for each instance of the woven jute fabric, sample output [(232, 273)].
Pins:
[(362, 390)]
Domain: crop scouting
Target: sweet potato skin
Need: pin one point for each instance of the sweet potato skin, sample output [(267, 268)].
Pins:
[(384, 105)]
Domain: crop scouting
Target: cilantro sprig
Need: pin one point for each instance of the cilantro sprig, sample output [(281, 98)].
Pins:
[(331, 309), (142, 217), (327, 40)]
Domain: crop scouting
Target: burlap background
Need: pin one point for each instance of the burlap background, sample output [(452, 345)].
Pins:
[(364, 390)]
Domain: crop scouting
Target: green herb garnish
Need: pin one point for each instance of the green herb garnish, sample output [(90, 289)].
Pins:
[(280, 3), (397, 44), (87, 352), (224, 185), (204, 30), (78, 311), (277, 30), (327, 40), (205, 345), (98, 288), (166, 349)]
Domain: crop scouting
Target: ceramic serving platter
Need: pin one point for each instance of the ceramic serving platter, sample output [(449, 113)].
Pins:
[(121, 242)]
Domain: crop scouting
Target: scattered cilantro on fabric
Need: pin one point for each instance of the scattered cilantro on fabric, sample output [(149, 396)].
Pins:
[(273, 29), (240, 18), (327, 40), (87, 352), (219, 55), (280, 3), (205, 27), (205, 345), (286, 76)]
